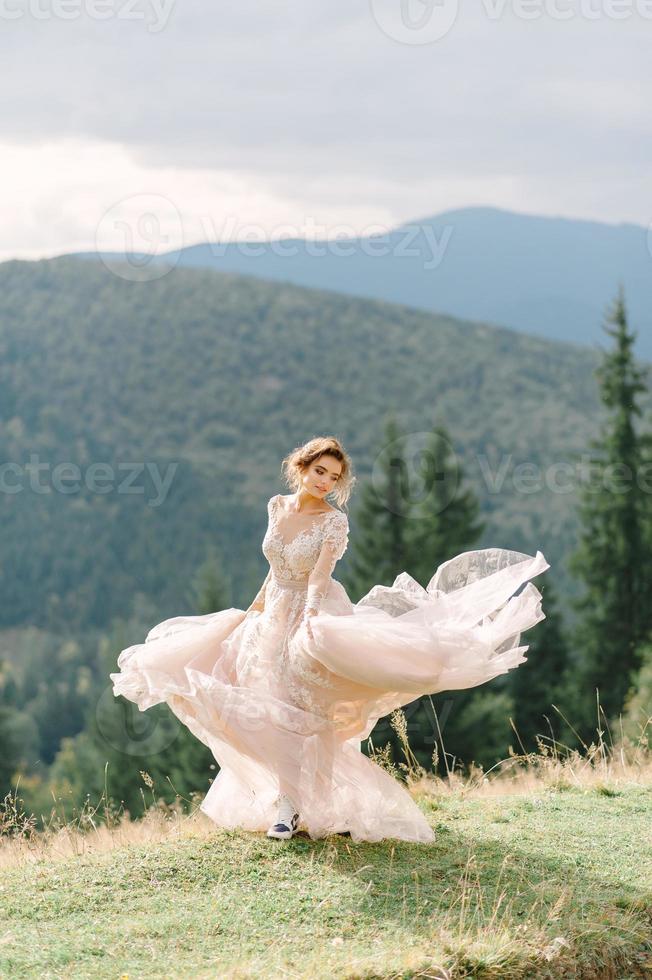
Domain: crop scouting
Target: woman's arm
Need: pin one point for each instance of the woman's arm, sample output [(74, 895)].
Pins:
[(320, 578), (333, 547)]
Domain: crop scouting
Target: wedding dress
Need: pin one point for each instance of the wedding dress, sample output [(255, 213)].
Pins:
[(283, 701)]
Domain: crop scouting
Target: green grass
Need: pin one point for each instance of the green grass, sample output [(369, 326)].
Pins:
[(546, 883)]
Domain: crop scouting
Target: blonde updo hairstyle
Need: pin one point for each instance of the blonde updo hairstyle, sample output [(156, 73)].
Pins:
[(297, 462)]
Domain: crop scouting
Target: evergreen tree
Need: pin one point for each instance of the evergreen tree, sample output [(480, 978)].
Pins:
[(209, 591), (128, 742), (414, 519), (381, 550), (9, 754), (543, 680), (612, 558), (637, 714), (444, 520), (9, 747)]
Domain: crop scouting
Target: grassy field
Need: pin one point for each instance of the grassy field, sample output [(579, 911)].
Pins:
[(543, 871)]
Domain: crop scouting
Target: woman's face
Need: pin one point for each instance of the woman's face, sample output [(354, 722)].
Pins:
[(321, 476)]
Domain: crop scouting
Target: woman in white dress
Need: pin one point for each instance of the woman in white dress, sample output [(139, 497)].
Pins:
[(284, 691)]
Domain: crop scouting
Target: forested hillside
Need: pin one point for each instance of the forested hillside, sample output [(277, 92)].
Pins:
[(202, 382)]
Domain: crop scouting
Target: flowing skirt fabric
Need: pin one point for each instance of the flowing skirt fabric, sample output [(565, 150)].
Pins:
[(284, 705)]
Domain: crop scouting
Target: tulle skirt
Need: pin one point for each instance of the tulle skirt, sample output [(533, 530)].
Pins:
[(284, 705)]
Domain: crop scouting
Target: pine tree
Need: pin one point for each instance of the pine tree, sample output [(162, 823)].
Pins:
[(543, 680), (444, 522), (612, 558), (9, 754), (414, 519), (381, 550), (637, 713), (128, 742), (209, 591), (10, 749)]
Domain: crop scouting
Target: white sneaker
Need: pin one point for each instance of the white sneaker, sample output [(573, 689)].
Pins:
[(288, 820)]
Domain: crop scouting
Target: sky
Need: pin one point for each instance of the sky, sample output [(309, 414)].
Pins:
[(156, 124)]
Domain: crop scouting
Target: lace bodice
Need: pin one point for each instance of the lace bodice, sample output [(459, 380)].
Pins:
[(294, 543), (302, 549)]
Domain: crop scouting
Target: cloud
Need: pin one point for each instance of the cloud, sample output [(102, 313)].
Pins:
[(299, 109)]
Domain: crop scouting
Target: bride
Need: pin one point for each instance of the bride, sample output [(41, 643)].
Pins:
[(284, 692)]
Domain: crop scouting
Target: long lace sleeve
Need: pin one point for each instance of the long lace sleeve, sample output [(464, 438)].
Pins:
[(335, 543)]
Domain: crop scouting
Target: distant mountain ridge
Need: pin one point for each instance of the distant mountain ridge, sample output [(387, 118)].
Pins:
[(547, 276)]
